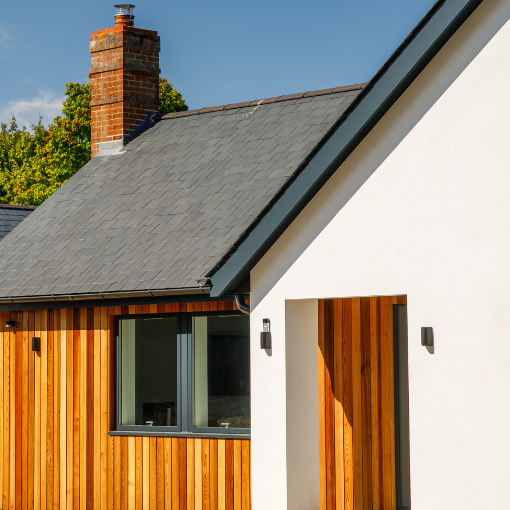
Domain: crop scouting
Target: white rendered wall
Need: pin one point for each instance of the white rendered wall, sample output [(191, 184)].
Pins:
[(421, 208), (302, 385)]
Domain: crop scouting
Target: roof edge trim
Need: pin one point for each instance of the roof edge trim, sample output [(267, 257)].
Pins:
[(401, 69)]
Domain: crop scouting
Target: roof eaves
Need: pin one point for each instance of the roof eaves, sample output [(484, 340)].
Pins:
[(390, 82)]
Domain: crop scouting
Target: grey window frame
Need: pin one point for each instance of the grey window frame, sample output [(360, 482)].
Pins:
[(401, 409), (184, 374), (202, 430)]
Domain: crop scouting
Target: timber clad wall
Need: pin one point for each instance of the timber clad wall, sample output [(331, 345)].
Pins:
[(356, 403), (58, 407)]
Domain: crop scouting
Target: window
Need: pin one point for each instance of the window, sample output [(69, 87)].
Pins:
[(185, 373)]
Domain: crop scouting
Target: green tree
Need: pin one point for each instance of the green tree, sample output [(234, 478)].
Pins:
[(35, 164), (20, 162), (170, 99)]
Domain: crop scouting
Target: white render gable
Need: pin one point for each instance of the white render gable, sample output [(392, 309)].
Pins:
[(421, 208)]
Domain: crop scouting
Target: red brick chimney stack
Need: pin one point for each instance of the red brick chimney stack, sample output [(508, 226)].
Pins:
[(125, 81)]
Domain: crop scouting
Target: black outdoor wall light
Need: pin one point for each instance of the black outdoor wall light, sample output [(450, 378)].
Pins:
[(427, 338), (10, 324), (36, 344), (265, 335)]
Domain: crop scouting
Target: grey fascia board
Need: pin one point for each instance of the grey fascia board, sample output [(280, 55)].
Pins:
[(403, 67)]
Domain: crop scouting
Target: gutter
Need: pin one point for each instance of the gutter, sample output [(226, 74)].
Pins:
[(382, 92), (105, 295)]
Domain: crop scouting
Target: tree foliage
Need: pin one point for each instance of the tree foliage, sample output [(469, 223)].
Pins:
[(34, 163), (170, 99)]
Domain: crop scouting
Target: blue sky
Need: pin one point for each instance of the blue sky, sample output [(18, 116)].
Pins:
[(215, 52)]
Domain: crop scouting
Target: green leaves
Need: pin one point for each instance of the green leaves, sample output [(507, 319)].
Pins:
[(33, 164), (170, 99)]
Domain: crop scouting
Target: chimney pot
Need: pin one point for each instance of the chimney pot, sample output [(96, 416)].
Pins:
[(124, 15)]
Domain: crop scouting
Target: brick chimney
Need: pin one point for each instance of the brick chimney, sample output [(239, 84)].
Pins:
[(125, 81)]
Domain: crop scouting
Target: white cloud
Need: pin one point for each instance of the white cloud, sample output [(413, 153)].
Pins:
[(27, 111), (4, 35)]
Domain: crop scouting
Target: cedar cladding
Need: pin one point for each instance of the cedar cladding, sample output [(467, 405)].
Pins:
[(356, 403), (58, 407)]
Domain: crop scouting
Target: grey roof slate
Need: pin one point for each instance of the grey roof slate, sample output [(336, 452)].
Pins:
[(11, 216), (172, 206)]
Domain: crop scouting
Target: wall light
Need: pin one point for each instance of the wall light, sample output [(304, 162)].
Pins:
[(265, 335), (427, 339), (10, 324), (36, 344)]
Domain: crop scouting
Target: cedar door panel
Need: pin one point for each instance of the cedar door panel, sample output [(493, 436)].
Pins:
[(356, 403)]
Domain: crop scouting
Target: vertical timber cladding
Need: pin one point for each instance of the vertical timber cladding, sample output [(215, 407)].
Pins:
[(356, 403), (58, 407)]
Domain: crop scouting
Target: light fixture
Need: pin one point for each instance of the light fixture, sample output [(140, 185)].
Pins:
[(427, 339), (203, 282), (10, 324), (36, 344), (265, 335)]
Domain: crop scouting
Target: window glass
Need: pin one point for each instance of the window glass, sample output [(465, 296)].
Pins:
[(221, 371), (149, 371)]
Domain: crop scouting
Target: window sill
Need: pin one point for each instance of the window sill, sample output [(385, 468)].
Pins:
[(205, 435)]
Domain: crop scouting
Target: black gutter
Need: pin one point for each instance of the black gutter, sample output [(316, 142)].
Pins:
[(403, 67)]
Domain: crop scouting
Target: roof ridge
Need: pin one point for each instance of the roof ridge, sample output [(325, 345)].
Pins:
[(256, 102)]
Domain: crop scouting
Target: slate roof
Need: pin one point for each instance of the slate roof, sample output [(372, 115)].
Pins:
[(170, 208), (11, 216)]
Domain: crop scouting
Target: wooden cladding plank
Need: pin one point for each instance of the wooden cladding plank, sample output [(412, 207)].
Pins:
[(213, 474), (146, 473), (375, 399), (160, 472), (6, 407), (338, 387), (167, 477), (24, 461), (198, 473), (322, 407), (366, 430), (356, 403), (54, 331), (58, 407), (206, 475), (13, 415), (221, 475), (153, 481), (329, 404), (48, 438), (2, 401), (348, 404), (245, 469), (357, 430), (229, 474), (190, 469), (131, 473), (175, 491)]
